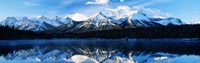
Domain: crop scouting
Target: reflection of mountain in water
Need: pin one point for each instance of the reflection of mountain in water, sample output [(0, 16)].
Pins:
[(84, 55), (103, 51)]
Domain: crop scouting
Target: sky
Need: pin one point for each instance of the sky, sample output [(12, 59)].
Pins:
[(186, 10)]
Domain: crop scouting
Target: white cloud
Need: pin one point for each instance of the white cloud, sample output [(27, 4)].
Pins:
[(152, 12), (78, 17), (98, 2), (121, 0), (126, 11), (30, 4), (121, 11), (101, 1)]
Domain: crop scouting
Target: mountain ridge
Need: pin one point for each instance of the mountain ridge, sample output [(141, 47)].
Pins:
[(99, 21)]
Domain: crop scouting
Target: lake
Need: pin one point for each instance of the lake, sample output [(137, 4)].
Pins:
[(184, 50)]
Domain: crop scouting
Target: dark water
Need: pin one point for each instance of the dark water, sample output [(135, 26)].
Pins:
[(102, 50)]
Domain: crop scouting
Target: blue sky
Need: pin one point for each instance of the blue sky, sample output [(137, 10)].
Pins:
[(187, 10)]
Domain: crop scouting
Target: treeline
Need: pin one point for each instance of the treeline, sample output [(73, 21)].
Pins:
[(182, 31), (11, 33), (179, 31)]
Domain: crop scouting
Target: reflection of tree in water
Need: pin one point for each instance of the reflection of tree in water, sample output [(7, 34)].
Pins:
[(139, 46), (103, 50)]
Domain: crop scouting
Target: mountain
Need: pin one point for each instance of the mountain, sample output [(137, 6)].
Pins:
[(39, 23), (10, 21), (99, 21), (168, 21)]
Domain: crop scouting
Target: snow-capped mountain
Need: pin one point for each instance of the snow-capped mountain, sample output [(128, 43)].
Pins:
[(169, 21), (39, 23), (100, 21), (97, 22), (143, 19), (11, 21)]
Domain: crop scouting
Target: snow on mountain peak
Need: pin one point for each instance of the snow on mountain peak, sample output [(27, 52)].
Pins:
[(107, 18), (41, 16), (67, 17), (11, 18), (25, 19), (135, 13), (126, 11), (97, 18), (98, 14), (56, 18), (151, 13), (98, 2), (10, 21), (78, 17), (121, 12)]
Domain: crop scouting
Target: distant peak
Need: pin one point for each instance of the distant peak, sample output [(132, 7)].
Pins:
[(66, 17), (41, 16), (99, 14), (78, 17), (25, 17), (11, 18), (56, 17)]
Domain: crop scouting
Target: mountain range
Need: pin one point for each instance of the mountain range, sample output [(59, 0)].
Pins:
[(99, 21)]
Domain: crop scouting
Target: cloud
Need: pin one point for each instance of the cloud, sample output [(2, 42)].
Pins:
[(126, 11), (102, 2), (30, 3), (121, 11), (78, 17), (121, 0), (98, 2), (152, 12)]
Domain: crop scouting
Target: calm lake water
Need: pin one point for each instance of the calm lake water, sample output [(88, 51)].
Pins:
[(183, 50)]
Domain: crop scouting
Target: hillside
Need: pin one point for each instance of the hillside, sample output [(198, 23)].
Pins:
[(181, 31)]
